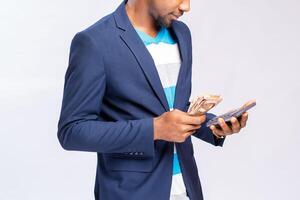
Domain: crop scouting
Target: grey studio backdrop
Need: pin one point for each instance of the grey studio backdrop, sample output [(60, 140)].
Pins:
[(241, 49)]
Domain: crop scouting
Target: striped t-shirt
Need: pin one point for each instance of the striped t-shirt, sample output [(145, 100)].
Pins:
[(165, 53)]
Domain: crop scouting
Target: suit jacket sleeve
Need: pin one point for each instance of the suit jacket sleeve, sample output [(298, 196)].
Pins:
[(204, 133), (79, 126)]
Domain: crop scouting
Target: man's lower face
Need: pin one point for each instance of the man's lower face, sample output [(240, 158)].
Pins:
[(166, 21)]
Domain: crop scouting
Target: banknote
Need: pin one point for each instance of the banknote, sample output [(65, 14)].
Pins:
[(201, 104)]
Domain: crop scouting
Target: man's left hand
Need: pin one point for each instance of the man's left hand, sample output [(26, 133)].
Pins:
[(229, 128)]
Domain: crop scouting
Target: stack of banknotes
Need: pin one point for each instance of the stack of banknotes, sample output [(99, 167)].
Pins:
[(201, 104)]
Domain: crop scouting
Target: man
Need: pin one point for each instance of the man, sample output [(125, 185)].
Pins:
[(126, 93)]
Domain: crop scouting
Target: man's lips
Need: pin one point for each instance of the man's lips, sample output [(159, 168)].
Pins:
[(177, 16)]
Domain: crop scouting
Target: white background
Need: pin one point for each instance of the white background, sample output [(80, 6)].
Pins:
[(241, 49)]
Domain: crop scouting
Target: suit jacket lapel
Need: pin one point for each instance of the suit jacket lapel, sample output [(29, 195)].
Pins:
[(142, 55), (145, 60), (181, 89)]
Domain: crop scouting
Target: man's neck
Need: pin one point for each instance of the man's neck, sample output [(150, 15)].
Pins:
[(140, 17)]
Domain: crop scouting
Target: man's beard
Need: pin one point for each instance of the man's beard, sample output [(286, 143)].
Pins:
[(163, 22)]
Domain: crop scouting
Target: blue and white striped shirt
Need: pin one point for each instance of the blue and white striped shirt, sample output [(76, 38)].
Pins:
[(165, 53)]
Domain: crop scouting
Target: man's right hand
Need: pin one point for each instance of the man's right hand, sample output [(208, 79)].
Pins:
[(176, 125)]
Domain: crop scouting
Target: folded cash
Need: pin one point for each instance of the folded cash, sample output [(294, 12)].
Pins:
[(201, 104)]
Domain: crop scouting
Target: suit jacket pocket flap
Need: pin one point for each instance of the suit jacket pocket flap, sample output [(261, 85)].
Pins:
[(128, 162)]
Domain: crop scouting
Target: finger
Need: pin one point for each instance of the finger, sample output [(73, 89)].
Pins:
[(249, 103), (189, 133), (244, 119), (235, 125), (216, 131), (225, 128), (193, 119), (187, 128), (186, 118)]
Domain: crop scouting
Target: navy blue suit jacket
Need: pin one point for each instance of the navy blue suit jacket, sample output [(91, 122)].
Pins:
[(112, 92)]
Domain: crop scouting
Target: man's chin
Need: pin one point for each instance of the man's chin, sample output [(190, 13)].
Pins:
[(166, 23)]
